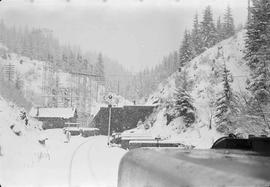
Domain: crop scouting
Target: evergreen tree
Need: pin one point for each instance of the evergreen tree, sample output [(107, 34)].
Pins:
[(71, 59), (18, 81), (196, 37), (208, 30), (258, 50), (2, 31), (186, 53), (175, 61), (220, 30), (224, 104), (228, 25), (26, 46), (182, 81), (184, 106), (181, 103), (258, 56)]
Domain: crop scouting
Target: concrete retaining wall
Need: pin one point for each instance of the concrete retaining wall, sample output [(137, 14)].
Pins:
[(122, 118)]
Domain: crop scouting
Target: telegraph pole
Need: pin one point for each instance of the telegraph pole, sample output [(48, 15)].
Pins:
[(118, 87), (9, 70), (248, 10)]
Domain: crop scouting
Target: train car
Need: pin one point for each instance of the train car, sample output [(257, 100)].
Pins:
[(232, 161), (86, 131), (125, 140), (74, 131), (153, 143)]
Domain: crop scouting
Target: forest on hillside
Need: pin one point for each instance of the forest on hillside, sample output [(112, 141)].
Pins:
[(40, 44), (232, 110), (205, 33)]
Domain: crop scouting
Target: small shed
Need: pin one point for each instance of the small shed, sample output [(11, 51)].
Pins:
[(54, 117)]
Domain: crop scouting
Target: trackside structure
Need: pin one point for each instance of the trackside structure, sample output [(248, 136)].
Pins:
[(122, 118), (54, 117)]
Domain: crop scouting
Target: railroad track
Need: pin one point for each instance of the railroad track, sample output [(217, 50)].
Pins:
[(88, 162)]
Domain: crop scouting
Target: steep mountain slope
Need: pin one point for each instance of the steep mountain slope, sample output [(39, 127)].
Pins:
[(30, 75), (19, 147), (205, 74), (27, 76)]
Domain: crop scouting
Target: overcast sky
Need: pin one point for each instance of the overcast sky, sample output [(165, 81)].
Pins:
[(135, 33)]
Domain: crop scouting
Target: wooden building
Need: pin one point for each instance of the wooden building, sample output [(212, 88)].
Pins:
[(54, 117)]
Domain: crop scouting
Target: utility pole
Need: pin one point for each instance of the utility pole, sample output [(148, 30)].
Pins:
[(71, 90), (57, 87), (248, 10), (9, 70), (97, 93), (118, 87)]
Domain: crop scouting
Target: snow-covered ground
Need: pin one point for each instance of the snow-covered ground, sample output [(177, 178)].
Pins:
[(26, 162), (81, 162)]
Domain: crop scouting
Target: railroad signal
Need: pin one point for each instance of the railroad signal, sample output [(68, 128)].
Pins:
[(109, 99), (109, 124)]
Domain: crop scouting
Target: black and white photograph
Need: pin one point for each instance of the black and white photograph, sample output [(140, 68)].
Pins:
[(134, 93)]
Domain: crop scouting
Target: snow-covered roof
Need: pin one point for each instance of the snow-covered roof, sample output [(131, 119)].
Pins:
[(53, 112)]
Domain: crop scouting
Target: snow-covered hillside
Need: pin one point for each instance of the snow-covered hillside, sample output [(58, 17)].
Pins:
[(28, 72), (81, 162), (18, 143), (26, 162), (34, 74), (205, 74)]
